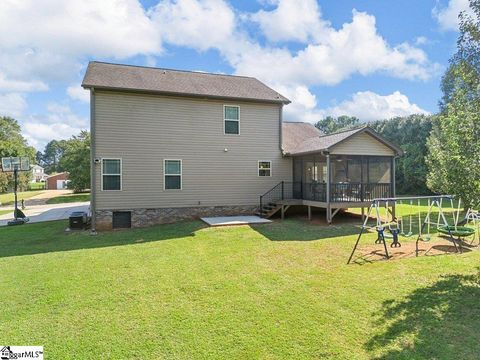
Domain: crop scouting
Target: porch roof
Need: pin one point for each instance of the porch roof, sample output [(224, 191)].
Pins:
[(326, 142)]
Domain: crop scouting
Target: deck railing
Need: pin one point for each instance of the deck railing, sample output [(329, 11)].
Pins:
[(317, 191)]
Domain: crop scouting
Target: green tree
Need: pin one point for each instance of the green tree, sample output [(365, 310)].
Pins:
[(331, 124), (12, 143), (76, 160), (411, 134), (51, 156), (454, 144)]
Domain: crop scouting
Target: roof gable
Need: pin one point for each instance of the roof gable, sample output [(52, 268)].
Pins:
[(175, 82), (329, 142)]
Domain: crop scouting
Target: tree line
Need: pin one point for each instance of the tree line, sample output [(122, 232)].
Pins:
[(72, 155)]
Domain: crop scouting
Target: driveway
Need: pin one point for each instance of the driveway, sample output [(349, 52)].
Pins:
[(41, 199), (40, 213)]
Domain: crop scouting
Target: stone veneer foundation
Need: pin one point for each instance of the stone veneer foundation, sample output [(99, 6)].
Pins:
[(149, 217)]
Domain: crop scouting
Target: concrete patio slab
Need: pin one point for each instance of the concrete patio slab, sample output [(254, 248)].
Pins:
[(234, 220), (42, 213)]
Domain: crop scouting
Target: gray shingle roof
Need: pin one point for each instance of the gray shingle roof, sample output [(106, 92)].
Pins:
[(296, 133), (325, 142), (175, 82)]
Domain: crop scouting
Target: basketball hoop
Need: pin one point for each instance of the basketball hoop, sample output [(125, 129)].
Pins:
[(16, 164), (11, 164)]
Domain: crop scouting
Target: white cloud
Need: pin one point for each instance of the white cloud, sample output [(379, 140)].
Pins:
[(368, 106), (356, 48), (48, 39), (200, 24), (12, 104), (60, 122), (365, 105), (292, 20), (21, 86), (76, 92), (447, 17)]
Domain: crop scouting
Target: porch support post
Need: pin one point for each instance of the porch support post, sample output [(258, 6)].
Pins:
[(363, 213), (309, 212), (394, 190), (283, 212), (329, 179)]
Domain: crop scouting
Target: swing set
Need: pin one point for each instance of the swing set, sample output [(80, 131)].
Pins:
[(393, 226)]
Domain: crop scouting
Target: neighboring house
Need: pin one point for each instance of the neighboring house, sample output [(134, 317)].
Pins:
[(38, 174), (57, 181), (169, 145)]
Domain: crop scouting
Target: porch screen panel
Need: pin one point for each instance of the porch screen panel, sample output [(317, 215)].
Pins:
[(339, 169), (379, 170), (354, 170)]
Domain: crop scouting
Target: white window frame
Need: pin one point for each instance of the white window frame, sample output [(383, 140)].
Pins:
[(165, 174), (237, 120), (258, 168), (121, 174)]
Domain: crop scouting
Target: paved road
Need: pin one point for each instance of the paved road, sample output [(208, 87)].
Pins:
[(41, 213)]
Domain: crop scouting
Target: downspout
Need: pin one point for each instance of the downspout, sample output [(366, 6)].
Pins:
[(93, 182), (280, 130)]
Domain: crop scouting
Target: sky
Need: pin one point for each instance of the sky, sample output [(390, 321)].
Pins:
[(374, 59)]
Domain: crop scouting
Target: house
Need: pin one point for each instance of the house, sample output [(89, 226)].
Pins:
[(57, 181), (38, 174), (169, 145)]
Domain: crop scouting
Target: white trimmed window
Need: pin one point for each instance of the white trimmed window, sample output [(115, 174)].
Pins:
[(264, 168), (111, 174), (231, 119), (173, 175)]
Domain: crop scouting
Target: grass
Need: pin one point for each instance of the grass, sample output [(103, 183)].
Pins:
[(3, 212), (272, 291), (9, 198), (37, 186), (69, 198)]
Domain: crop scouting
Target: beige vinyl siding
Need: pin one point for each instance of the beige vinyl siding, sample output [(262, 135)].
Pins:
[(144, 130), (362, 144)]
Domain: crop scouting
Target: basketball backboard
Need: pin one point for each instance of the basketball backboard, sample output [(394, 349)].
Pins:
[(9, 164)]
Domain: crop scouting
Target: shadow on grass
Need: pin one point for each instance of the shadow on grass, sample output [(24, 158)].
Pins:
[(441, 321), (300, 229), (48, 237)]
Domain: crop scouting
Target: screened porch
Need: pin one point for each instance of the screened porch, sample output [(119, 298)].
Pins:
[(353, 178)]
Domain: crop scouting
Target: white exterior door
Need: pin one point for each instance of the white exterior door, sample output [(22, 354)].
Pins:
[(60, 184)]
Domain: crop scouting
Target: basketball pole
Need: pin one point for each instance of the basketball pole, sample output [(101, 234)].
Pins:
[(15, 175)]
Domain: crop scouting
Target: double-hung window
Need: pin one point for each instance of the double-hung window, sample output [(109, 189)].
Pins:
[(264, 168), (231, 117), (111, 174), (173, 174)]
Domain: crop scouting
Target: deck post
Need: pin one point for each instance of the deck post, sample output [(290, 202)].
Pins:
[(309, 212), (363, 213), (283, 212), (329, 220)]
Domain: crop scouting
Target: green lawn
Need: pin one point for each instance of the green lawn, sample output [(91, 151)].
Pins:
[(69, 198), (276, 291), (9, 198), (37, 186)]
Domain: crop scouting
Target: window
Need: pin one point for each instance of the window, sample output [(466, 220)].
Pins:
[(231, 115), (111, 174), (264, 168), (173, 175)]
